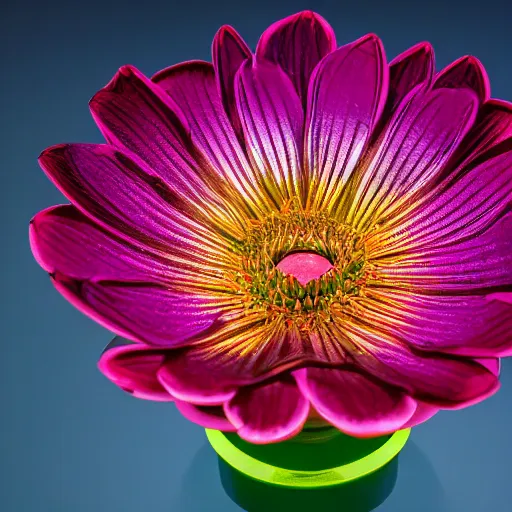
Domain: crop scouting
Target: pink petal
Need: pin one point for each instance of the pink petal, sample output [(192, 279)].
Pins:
[(447, 382), (206, 416), (272, 122), (133, 368), (193, 88), (408, 70), (65, 241), (138, 117), (240, 351), (479, 263), (492, 128), (466, 72), (123, 198), (297, 44), (460, 207), (190, 380), (346, 96), (354, 403), (422, 414), (470, 325), (269, 412), (229, 51), (145, 312), (417, 143)]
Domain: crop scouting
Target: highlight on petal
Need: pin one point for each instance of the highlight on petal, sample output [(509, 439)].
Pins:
[(419, 140), (133, 367), (229, 52), (466, 72), (448, 382), (459, 207), (297, 44), (480, 264), (143, 311), (269, 412), (272, 121), (65, 241), (192, 86), (205, 416), (355, 403), (411, 68), (123, 198), (468, 325), (347, 93)]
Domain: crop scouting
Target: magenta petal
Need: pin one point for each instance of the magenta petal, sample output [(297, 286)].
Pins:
[(297, 44), (269, 412), (478, 263), (144, 312), (458, 208), (346, 96), (272, 121), (466, 72), (64, 240), (409, 69), (205, 416), (422, 413), (133, 367), (137, 116), (354, 403), (492, 127), (192, 87), (229, 51), (419, 140), (191, 380), (123, 198), (447, 382)]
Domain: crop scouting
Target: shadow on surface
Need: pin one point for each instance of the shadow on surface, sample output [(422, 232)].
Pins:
[(418, 487)]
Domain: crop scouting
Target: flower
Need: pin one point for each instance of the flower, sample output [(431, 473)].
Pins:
[(303, 232)]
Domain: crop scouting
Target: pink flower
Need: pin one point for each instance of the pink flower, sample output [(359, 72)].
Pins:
[(303, 232)]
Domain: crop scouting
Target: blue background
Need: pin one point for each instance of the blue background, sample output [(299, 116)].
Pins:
[(70, 440)]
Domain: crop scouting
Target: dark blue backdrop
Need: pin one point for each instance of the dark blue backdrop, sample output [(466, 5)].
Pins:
[(71, 441)]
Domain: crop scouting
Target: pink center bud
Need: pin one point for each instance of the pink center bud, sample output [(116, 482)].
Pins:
[(304, 266)]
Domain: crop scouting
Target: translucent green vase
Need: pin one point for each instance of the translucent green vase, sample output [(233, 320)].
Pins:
[(321, 469)]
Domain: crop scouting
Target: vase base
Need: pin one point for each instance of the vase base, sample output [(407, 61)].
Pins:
[(341, 473)]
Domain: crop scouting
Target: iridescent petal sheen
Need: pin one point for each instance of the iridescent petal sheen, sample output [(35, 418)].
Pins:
[(64, 240), (478, 264), (466, 72), (346, 96), (143, 311), (123, 198), (269, 412), (193, 88), (272, 121), (355, 403), (470, 325), (448, 382), (460, 207), (297, 44), (419, 140)]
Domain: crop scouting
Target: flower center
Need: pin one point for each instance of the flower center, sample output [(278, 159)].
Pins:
[(303, 268)]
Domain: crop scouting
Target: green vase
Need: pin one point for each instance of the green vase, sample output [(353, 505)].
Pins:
[(321, 469)]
